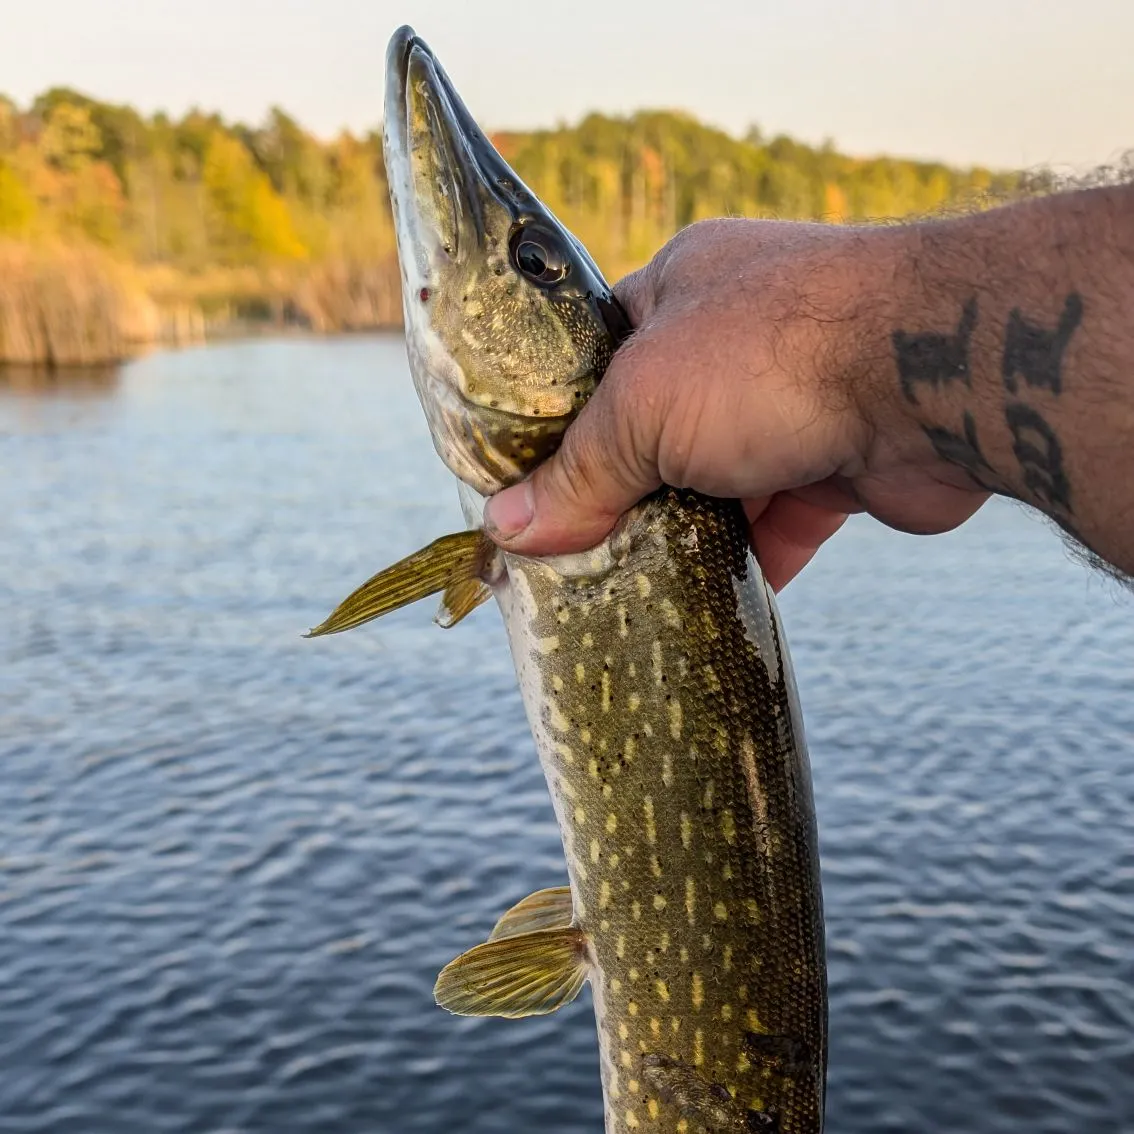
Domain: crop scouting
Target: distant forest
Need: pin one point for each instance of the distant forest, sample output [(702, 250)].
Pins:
[(117, 228)]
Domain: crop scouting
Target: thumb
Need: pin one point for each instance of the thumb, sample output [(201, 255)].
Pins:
[(606, 464)]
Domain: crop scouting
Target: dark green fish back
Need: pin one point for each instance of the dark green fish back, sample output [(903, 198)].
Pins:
[(671, 739)]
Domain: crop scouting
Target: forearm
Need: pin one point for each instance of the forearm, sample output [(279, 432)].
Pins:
[(1011, 347)]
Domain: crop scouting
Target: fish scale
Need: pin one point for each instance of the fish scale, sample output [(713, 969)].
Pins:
[(661, 698), (653, 670)]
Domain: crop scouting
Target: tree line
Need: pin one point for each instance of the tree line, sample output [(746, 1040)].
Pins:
[(269, 219)]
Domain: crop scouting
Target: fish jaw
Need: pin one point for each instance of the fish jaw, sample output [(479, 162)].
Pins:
[(503, 357)]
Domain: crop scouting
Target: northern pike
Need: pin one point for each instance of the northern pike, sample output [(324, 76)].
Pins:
[(653, 668)]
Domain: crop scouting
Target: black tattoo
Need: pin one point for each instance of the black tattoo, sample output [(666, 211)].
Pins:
[(932, 357), (963, 450), (1040, 455), (1036, 353)]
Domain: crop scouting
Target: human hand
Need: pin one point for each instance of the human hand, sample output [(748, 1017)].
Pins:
[(760, 369)]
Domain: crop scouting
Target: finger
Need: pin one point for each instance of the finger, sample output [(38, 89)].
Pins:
[(787, 534), (606, 464)]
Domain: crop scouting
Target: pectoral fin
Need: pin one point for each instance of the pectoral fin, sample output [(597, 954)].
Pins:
[(529, 975), (460, 598), (447, 564), (545, 909)]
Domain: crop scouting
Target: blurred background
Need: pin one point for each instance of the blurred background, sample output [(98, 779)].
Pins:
[(232, 861)]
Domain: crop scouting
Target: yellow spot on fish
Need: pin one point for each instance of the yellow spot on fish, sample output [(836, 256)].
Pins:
[(698, 993), (690, 899), (726, 1012), (580, 816), (588, 640), (706, 942), (632, 669), (596, 851), (675, 719), (667, 768), (752, 1021), (580, 672), (607, 791), (683, 1126), (652, 1107), (753, 909), (634, 974), (659, 901), (648, 811), (728, 826), (743, 1063), (671, 613), (585, 735), (556, 718), (604, 925), (707, 795), (633, 1086), (655, 866), (698, 1048), (625, 1058), (615, 985), (711, 679), (662, 990), (727, 959), (611, 823), (686, 831), (636, 910), (604, 895), (549, 645), (632, 1120), (655, 1025), (647, 728), (606, 690), (726, 872), (614, 860), (720, 911), (565, 753), (632, 1007), (630, 749), (623, 625), (675, 1024), (684, 954), (592, 768), (564, 616), (663, 944), (656, 654), (620, 946), (644, 586), (557, 683), (623, 1031), (742, 992)]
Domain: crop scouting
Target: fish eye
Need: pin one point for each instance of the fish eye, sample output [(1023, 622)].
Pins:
[(539, 255)]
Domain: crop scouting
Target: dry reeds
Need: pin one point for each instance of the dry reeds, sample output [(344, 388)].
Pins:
[(67, 306), (345, 295)]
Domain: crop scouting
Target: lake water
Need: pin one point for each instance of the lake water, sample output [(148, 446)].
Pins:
[(232, 861)]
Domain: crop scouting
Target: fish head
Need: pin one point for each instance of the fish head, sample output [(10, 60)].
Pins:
[(509, 323)]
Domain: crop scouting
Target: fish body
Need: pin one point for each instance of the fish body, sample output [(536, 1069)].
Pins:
[(653, 669)]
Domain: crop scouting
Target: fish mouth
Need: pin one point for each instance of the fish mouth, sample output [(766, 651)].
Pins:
[(451, 172), (455, 203)]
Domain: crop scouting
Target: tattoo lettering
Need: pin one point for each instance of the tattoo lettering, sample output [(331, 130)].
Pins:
[(1035, 353), (933, 357), (1040, 455), (963, 450)]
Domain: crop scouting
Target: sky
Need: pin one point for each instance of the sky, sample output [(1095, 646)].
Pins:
[(1006, 83)]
